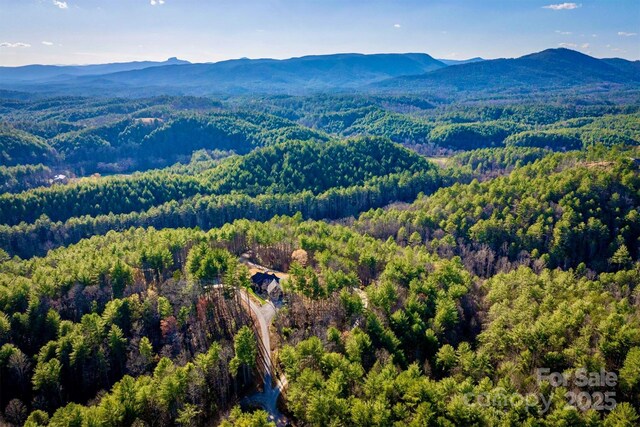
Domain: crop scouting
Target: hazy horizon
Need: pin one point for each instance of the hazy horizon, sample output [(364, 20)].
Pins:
[(74, 32)]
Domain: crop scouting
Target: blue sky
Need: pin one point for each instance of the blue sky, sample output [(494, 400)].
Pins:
[(99, 31)]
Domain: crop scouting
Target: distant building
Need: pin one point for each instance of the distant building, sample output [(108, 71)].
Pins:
[(60, 179)]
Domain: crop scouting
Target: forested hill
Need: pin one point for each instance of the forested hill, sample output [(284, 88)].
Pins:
[(284, 168), (329, 179), (19, 147), (294, 167), (142, 142), (566, 210)]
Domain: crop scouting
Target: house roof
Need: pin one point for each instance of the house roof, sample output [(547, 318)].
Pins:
[(259, 278)]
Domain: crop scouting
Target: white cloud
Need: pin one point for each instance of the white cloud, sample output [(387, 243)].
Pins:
[(585, 46), (562, 6), (625, 34), (615, 49), (156, 2), (14, 45), (564, 33), (47, 43), (568, 45), (61, 4), (397, 25)]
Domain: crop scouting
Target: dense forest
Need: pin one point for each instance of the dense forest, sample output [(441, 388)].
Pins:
[(440, 263)]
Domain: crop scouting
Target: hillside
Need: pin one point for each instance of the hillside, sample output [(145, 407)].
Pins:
[(295, 167), (323, 180), (19, 147), (528, 215), (119, 136)]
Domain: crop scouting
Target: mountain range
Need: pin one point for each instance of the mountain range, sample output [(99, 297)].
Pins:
[(45, 73), (413, 72), (549, 69)]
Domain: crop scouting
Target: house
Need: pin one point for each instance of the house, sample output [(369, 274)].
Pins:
[(268, 284), (262, 280)]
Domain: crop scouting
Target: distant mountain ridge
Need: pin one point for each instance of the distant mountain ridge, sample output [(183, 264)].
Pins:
[(48, 72), (413, 72), (307, 73), (551, 68), (460, 61), (316, 72)]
